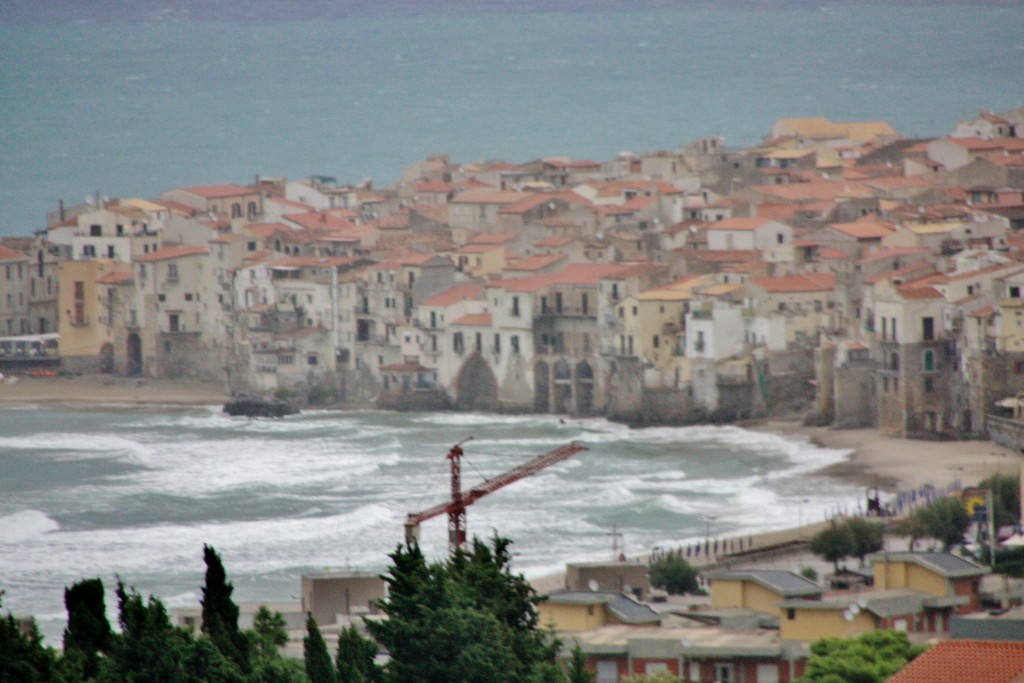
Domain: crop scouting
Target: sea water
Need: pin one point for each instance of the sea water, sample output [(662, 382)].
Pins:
[(90, 103), (137, 492)]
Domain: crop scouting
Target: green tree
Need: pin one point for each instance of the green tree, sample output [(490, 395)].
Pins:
[(220, 613), (355, 657), (577, 672), (23, 657), (270, 629), (674, 574), (318, 661), (149, 647), (868, 537), (1005, 498), (945, 520), (833, 543), (206, 664), (468, 618), (88, 632), (869, 658)]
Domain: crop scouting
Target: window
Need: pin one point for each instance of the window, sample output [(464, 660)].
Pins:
[(479, 345), (252, 209), (172, 322), (656, 341), (928, 385), (457, 343), (515, 307), (1014, 292), (780, 238), (312, 359), (585, 304), (497, 342), (514, 342), (95, 230), (724, 673), (236, 210), (928, 361), (79, 289), (894, 361), (927, 329), (558, 302)]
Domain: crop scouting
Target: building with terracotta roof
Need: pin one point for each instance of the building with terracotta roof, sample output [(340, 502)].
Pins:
[(748, 233), (226, 201), (955, 661)]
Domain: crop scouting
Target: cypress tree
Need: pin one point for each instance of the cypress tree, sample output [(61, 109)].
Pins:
[(220, 613), (355, 657), (319, 668), (88, 632)]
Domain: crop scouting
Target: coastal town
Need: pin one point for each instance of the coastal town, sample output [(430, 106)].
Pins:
[(836, 274), (676, 286)]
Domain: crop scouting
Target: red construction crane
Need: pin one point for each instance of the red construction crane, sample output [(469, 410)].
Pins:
[(456, 507)]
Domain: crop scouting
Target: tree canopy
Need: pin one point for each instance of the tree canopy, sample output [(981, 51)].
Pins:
[(946, 520), (869, 658), (833, 543), (673, 573), (467, 618)]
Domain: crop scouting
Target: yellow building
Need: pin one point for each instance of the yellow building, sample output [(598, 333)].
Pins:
[(85, 329), (938, 574), (585, 611), (759, 590)]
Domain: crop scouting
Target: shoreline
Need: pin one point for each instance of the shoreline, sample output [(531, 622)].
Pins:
[(871, 460), (889, 463)]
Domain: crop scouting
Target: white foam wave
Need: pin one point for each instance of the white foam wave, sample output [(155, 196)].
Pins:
[(25, 525)]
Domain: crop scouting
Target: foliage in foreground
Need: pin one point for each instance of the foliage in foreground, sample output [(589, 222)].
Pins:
[(869, 658), (467, 618)]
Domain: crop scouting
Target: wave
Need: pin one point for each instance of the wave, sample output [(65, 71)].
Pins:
[(25, 525)]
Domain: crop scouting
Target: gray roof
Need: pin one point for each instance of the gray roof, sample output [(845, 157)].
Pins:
[(944, 564), (622, 607), (785, 583), (882, 603)]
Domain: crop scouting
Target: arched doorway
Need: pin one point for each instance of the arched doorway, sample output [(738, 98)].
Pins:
[(107, 358), (476, 387), (584, 388), (563, 387), (133, 366), (541, 388)]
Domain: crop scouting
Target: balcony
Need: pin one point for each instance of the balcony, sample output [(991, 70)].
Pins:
[(79, 321)]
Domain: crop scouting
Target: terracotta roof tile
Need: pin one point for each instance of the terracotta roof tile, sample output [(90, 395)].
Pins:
[(956, 661), (455, 294), (171, 253), (476, 319), (11, 254), (218, 191), (801, 282)]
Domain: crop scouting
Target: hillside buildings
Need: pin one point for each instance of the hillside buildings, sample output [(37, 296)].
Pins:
[(834, 267)]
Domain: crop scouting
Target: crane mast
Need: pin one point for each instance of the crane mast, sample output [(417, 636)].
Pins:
[(460, 500)]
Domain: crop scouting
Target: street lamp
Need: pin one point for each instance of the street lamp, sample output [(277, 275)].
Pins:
[(800, 515), (707, 525)]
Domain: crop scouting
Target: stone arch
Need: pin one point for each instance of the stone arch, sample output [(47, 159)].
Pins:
[(562, 387), (541, 387), (476, 387), (133, 352), (107, 358), (584, 388)]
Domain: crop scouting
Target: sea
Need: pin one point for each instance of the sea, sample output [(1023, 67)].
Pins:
[(129, 492), (103, 97)]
